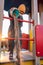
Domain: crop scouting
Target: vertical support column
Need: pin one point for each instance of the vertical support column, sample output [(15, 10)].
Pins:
[(1, 19), (1, 14), (34, 5), (34, 10)]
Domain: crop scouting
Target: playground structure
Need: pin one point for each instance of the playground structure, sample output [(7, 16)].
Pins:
[(38, 38)]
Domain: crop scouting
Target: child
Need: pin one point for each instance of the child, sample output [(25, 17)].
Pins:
[(11, 32)]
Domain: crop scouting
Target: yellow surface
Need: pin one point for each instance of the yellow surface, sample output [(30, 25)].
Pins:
[(41, 62), (31, 42), (24, 63)]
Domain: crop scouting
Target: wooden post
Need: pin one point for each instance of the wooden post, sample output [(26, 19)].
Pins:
[(34, 7)]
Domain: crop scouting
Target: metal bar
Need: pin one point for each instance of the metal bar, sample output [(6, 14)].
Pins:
[(19, 20), (35, 18), (3, 39), (1, 19)]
